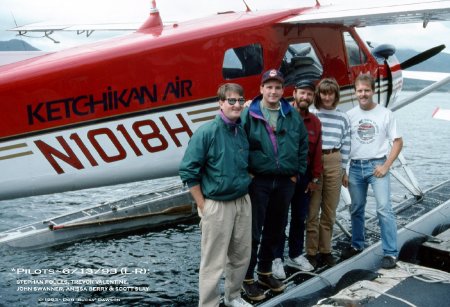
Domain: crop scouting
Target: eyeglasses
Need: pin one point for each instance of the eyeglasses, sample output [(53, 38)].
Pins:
[(232, 101)]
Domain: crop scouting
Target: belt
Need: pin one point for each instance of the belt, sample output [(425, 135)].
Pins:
[(328, 151), (368, 160)]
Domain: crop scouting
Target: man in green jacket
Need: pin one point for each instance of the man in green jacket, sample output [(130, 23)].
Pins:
[(278, 151), (215, 168)]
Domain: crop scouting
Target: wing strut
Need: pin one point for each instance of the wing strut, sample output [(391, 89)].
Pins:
[(420, 94)]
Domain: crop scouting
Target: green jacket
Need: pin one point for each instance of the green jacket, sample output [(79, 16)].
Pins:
[(283, 152), (217, 159)]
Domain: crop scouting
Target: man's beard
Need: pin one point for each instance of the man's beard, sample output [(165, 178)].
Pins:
[(304, 107)]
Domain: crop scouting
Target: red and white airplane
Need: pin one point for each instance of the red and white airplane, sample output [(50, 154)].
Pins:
[(123, 110)]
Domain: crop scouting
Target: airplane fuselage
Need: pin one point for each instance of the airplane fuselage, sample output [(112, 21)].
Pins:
[(124, 110)]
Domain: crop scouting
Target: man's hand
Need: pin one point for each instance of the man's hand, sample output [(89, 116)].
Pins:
[(380, 171), (200, 206), (345, 180), (312, 187), (196, 192)]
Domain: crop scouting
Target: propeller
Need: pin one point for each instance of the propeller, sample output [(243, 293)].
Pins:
[(423, 56)]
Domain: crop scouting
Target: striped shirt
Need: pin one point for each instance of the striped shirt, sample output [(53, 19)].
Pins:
[(335, 131)]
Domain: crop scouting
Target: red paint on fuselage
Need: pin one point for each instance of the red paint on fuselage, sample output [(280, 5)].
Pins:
[(144, 71)]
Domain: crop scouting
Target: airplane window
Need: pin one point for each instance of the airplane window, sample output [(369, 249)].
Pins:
[(300, 61), (355, 55), (242, 61)]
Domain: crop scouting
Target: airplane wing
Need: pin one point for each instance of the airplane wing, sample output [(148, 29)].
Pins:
[(86, 29), (42, 27), (376, 14), (79, 28)]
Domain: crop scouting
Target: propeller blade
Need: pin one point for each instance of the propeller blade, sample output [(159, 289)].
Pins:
[(422, 57)]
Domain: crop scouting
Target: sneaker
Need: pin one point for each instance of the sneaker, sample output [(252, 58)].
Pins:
[(237, 302), (312, 259), (270, 282), (278, 269), (350, 252), (253, 291), (300, 263), (388, 262), (328, 259)]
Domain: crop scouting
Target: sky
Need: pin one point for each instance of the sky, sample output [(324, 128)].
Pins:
[(23, 12)]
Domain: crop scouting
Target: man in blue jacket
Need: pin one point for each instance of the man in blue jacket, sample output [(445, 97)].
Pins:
[(215, 168), (278, 154)]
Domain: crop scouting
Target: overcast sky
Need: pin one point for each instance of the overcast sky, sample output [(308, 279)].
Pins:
[(23, 12)]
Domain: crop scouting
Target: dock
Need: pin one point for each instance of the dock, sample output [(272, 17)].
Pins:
[(418, 220)]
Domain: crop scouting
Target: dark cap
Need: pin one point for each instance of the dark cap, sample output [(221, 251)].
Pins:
[(305, 83), (272, 74)]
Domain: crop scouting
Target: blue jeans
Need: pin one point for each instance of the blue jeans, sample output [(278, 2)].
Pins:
[(270, 196), (299, 211), (360, 176)]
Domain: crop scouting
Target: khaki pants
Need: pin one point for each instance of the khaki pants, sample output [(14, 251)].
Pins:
[(226, 248), (319, 228)]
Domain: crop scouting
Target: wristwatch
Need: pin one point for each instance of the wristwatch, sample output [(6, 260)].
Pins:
[(315, 180)]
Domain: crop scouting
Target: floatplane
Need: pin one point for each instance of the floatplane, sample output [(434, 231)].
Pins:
[(124, 109)]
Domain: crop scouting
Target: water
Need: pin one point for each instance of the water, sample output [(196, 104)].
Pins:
[(159, 268), (426, 140)]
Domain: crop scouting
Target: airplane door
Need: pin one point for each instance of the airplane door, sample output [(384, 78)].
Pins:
[(357, 60)]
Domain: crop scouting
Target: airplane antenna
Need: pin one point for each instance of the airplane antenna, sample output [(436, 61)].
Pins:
[(153, 9), (154, 20), (15, 22), (246, 5), (14, 18)]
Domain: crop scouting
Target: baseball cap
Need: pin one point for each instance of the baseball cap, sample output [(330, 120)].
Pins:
[(305, 83), (272, 74)]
